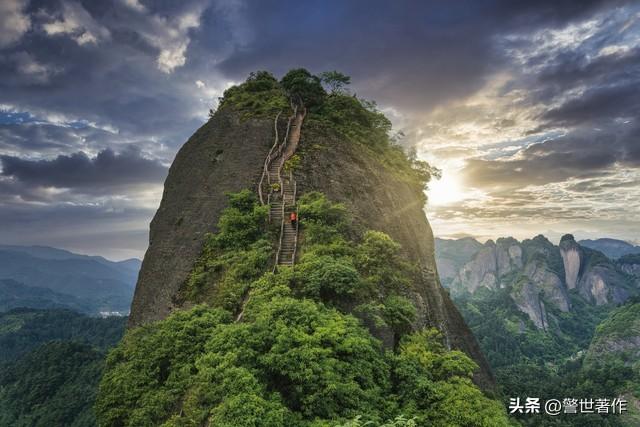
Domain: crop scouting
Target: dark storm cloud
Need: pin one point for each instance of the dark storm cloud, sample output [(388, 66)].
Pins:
[(107, 169), (100, 76), (415, 55), (612, 89), (47, 139), (589, 90), (577, 155), (99, 61), (597, 105)]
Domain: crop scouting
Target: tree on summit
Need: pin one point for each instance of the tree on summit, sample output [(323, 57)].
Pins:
[(303, 87), (336, 81)]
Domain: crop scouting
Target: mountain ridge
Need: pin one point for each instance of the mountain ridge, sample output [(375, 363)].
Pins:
[(540, 273), (87, 283), (227, 154)]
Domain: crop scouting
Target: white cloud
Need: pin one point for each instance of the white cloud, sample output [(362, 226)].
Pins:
[(135, 5), (172, 38), (13, 21), (172, 57), (78, 24)]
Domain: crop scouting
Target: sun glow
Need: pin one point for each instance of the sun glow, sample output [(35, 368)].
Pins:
[(451, 189), (446, 190)]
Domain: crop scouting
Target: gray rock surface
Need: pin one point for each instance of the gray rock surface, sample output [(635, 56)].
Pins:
[(526, 295), (572, 256), (550, 272), (225, 154)]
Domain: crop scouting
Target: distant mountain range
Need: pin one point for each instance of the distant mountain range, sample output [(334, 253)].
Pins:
[(612, 248), (540, 276), (45, 277), (552, 319)]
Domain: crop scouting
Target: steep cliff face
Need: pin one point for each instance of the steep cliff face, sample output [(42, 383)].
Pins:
[(492, 262), (570, 252), (227, 154), (526, 295), (546, 280), (453, 254), (381, 200), (597, 279)]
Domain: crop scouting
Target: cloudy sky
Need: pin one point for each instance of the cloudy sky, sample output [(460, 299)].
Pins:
[(531, 109)]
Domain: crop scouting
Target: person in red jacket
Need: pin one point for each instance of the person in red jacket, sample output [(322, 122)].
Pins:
[(294, 219)]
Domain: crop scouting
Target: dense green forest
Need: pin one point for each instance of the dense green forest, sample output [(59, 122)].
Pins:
[(23, 330), (297, 357), (553, 365), (50, 364)]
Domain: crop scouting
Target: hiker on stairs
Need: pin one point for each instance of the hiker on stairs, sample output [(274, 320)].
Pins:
[(294, 218)]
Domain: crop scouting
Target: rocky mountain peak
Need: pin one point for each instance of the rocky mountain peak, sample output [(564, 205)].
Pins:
[(571, 258), (539, 275), (567, 238)]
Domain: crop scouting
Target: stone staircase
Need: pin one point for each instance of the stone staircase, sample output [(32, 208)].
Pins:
[(282, 201), (288, 232)]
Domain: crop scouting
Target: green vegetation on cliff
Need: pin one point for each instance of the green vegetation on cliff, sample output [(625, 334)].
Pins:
[(305, 352), (328, 341), (234, 257), (356, 119), (554, 364), (618, 335)]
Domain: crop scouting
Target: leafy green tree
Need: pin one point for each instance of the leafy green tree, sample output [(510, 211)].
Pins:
[(434, 385), (426, 172), (378, 258), (303, 88), (304, 353), (149, 372), (335, 80), (261, 81), (259, 96), (326, 278)]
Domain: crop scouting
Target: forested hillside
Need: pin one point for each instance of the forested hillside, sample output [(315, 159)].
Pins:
[(50, 364), (545, 329)]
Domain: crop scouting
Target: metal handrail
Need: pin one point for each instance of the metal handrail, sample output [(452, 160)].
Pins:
[(295, 241), (280, 240), (267, 161), (280, 149), (282, 146)]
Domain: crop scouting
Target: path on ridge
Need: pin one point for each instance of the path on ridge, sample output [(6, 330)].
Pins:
[(283, 201)]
